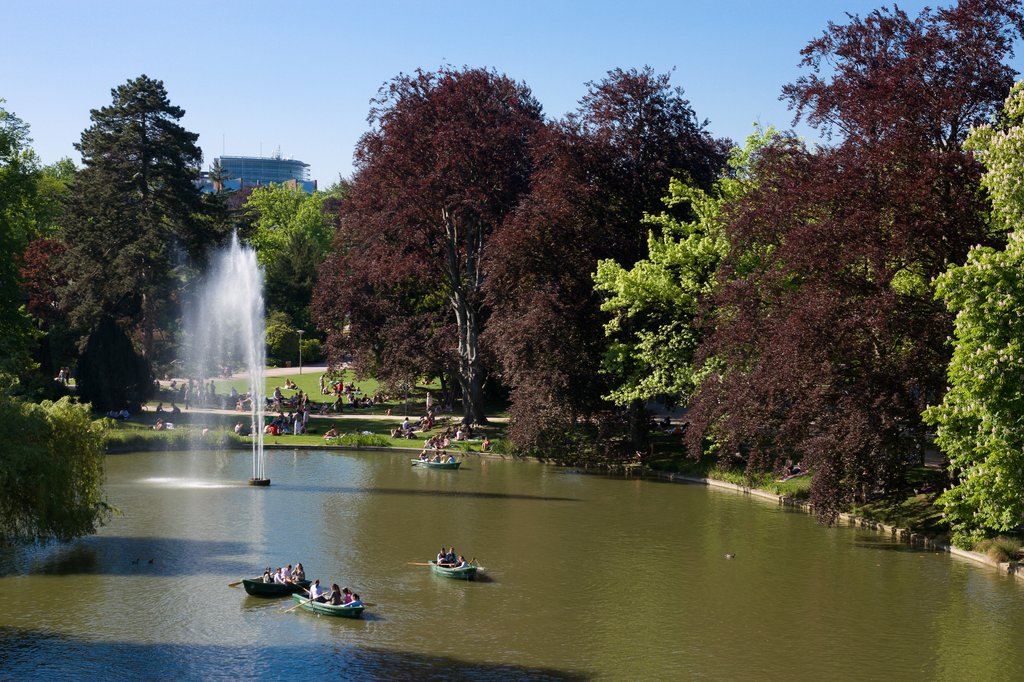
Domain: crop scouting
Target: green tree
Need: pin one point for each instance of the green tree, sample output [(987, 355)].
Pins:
[(133, 215), (18, 184), (51, 474), (978, 423), (292, 238), (281, 211), (654, 304)]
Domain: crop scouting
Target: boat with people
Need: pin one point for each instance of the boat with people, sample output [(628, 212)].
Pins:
[(431, 464), (258, 588), (353, 610), (466, 572)]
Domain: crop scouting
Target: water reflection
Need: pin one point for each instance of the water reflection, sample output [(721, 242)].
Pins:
[(135, 556), (48, 655)]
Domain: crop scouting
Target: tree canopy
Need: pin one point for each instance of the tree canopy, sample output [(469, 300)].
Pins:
[(445, 162), (823, 329), (133, 213), (51, 474), (597, 173), (978, 421), (18, 189)]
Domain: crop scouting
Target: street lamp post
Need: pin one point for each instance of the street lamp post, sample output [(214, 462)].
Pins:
[(300, 332)]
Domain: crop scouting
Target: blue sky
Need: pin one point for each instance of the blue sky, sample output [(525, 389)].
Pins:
[(257, 76)]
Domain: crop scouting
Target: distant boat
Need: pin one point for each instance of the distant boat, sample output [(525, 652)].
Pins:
[(326, 609), (257, 588), (436, 465), (464, 573)]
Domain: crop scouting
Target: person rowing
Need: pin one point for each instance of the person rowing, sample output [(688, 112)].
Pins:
[(461, 563), (316, 593)]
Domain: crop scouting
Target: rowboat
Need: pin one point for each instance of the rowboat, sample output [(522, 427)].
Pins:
[(257, 588), (436, 465), (464, 573), (326, 609)]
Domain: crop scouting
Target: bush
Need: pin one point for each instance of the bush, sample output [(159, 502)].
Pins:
[(362, 440), (312, 350), (1001, 549)]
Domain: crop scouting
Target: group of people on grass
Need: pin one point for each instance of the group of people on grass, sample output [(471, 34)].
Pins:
[(294, 423), (447, 558)]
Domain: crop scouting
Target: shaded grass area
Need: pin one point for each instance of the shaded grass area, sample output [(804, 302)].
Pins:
[(413, 404), (138, 433)]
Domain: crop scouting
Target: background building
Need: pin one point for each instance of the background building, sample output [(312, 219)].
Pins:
[(239, 172)]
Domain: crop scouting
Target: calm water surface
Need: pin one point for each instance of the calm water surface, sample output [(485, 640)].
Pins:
[(586, 577)]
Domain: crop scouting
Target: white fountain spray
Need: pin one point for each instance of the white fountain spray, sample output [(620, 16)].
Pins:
[(227, 330)]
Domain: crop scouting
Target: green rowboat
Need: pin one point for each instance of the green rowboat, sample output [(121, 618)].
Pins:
[(325, 609), (257, 588), (436, 465), (464, 573)]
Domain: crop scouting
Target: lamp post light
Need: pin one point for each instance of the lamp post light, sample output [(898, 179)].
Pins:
[(300, 332)]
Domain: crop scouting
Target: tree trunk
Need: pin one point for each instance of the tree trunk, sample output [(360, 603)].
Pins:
[(464, 278), (638, 424)]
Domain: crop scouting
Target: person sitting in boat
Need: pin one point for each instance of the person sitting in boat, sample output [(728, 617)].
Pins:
[(424, 456), (335, 596), (289, 574), (451, 459), (355, 601), (441, 556), (450, 557), (316, 593), (268, 575), (299, 574), (279, 577), (461, 563), (346, 596), (437, 458)]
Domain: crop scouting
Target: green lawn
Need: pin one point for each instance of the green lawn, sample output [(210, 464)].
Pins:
[(140, 429)]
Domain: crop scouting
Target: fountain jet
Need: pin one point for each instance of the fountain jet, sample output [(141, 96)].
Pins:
[(227, 333)]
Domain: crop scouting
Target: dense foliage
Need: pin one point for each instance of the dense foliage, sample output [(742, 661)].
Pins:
[(51, 474), (826, 338), (978, 421), (18, 166), (446, 161), (134, 216), (597, 173)]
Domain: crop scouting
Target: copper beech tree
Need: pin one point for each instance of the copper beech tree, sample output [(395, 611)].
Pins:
[(824, 337), (597, 173), (446, 160)]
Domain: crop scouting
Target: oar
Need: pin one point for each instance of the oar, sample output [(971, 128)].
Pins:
[(418, 563), (235, 584), (301, 603)]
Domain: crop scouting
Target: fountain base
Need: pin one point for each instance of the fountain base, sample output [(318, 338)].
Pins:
[(259, 481)]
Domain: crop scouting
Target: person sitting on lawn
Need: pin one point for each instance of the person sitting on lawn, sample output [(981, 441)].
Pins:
[(331, 433), (486, 445)]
